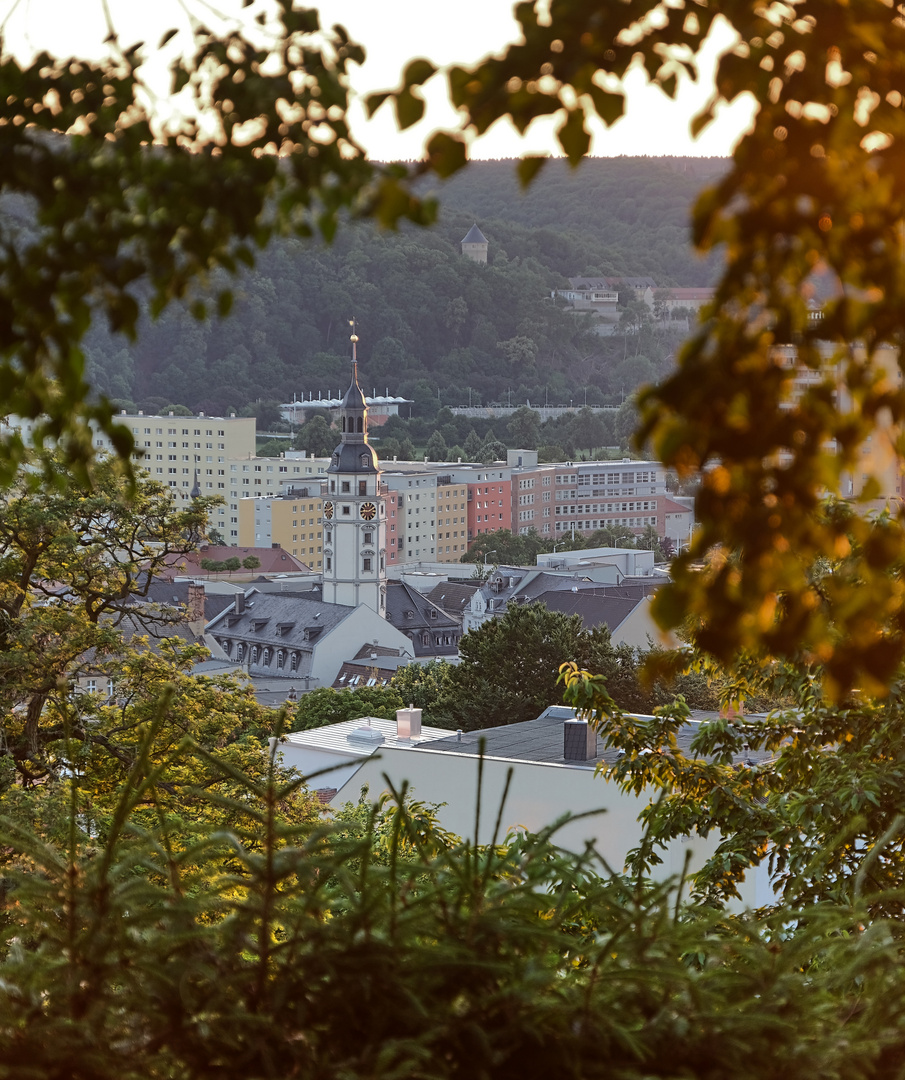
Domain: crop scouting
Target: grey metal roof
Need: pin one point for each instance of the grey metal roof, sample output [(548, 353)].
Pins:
[(595, 609), (541, 740)]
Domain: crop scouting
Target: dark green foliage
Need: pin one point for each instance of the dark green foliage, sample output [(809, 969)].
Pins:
[(382, 946), (325, 706)]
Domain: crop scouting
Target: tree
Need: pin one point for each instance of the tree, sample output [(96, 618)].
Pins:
[(429, 687), (232, 564), (325, 706), (814, 183), (251, 562), (75, 564), (510, 665), (316, 437), (524, 428), (203, 199), (472, 445), (436, 448)]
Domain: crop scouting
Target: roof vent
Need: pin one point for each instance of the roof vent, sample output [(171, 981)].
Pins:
[(408, 723), (367, 735)]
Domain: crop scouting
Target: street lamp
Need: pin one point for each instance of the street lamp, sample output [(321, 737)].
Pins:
[(486, 553)]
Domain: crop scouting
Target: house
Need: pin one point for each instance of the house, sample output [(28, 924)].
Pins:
[(531, 775), (295, 638), (432, 633), (330, 756)]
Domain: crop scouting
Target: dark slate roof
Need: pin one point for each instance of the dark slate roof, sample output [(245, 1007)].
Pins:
[(453, 597), (541, 740), (352, 675), (427, 625), (278, 621), (354, 397), (474, 236), (595, 608), (357, 457)]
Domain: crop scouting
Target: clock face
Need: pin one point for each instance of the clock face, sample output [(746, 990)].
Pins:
[(328, 510), (369, 511)]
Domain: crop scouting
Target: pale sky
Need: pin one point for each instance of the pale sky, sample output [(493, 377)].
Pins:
[(393, 32)]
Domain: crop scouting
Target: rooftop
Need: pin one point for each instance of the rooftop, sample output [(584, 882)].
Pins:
[(360, 738), (541, 740)]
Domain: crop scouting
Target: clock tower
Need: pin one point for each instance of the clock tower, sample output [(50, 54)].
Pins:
[(354, 520)]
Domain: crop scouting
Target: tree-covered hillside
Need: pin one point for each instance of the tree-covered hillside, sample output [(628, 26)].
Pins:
[(624, 215), (433, 325)]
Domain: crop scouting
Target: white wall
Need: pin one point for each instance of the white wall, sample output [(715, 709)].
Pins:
[(539, 794)]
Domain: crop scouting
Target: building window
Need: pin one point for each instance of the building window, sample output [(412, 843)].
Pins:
[(362, 487), (346, 488), (366, 565)]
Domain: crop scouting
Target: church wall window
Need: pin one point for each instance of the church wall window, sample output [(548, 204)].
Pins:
[(360, 427), (362, 487), (346, 487), (366, 565)]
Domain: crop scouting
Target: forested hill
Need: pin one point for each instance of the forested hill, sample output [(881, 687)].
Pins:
[(433, 325), (629, 215)]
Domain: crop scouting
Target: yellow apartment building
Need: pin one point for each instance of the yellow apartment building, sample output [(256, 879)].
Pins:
[(292, 520), (452, 523)]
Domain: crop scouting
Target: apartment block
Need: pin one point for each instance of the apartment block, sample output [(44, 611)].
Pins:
[(489, 496), (559, 498), (416, 513), (452, 519), (251, 477), (292, 520)]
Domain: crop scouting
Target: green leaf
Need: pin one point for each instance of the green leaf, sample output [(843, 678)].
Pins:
[(573, 137), (418, 72), (409, 108), (528, 167), (446, 153)]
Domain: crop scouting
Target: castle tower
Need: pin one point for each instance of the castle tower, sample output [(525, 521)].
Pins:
[(354, 521), (474, 245)]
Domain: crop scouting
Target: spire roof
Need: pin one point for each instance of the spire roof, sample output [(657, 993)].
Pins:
[(474, 236)]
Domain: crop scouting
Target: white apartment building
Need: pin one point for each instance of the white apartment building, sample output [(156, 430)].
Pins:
[(416, 513)]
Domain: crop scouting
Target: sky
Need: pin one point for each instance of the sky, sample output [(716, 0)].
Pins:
[(393, 32)]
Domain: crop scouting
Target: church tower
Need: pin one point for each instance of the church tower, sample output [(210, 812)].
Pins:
[(354, 520)]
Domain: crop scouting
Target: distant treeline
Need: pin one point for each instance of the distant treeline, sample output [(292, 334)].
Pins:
[(433, 325)]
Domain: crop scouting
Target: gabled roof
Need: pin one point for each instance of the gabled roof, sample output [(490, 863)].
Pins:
[(415, 615), (453, 597), (474, 236), (595, 609)]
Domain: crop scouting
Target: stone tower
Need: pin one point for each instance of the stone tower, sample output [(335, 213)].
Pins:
[(354, 519), (474, 245)]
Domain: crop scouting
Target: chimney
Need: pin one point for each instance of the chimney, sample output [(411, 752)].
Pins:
[(408, 723), (240, 603), (579, 741), (195, 605)]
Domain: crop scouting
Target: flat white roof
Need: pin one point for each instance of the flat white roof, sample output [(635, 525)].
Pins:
[(335, 737)]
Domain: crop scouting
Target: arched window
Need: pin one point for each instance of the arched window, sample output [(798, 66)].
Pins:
[(360, 428), (294, 662), (344, 423), (266, 659), (281, 657), (254, 654), (240, 651)]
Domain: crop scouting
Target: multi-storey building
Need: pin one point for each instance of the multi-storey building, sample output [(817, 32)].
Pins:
[(452, 519), (416, 513), (292, 520), (251, 477), (586, 496), (489, 499)]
